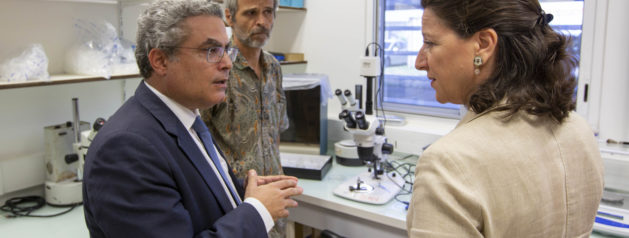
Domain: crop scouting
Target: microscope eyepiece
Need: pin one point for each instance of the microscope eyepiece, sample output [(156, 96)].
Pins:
[(360, 120), (347, 116), (339, 94), (348, 95), (343, 114)]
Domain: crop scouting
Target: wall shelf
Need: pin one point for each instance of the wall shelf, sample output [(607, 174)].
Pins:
[(69, 78), (291, 9), (63, 79), (293, 62)]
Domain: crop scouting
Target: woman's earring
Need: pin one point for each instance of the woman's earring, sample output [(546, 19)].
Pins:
[(478, 61)]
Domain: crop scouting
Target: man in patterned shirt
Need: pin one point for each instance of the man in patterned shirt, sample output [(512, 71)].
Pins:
[(248, 123)]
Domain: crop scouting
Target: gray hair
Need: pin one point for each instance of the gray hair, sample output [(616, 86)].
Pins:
[(160, 26), (232, 6)]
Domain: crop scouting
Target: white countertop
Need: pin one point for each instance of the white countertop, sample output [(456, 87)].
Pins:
[(393, 214), (69, 225), (317, 194), (320, 193)]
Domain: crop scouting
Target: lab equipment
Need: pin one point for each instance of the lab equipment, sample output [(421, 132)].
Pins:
[(370, 69), (359, 95), (613, 212), (307, 109), (374, 186), (612, 141), (345, 151), (306, 166), (66, 147)]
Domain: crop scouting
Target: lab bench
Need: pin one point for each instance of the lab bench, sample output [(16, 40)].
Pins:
[(321, 209), (318, 208)]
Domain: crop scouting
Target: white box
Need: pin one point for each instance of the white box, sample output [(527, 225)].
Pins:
[(370, 66)]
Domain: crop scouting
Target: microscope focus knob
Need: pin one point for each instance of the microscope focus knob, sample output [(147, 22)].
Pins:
[(98, 123), (387, 148), (380, 131), (71, 158)]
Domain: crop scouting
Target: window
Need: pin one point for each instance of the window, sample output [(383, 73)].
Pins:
[(408, 90)]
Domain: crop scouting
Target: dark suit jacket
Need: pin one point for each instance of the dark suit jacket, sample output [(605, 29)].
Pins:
[(145, 177)]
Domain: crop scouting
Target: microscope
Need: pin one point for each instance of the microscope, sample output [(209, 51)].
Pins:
[(374, 186), (66, 148)]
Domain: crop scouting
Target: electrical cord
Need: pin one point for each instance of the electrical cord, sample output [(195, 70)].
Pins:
[(23, 206), (378, 49), (406, 170), (379, 92)]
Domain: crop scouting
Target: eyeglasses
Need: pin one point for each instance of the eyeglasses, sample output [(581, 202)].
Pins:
[(215, 54)]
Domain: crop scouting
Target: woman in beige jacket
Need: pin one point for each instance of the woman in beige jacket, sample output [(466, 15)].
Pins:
[(521, 163)]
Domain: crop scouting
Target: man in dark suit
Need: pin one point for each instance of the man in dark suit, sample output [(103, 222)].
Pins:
[(152, 171)]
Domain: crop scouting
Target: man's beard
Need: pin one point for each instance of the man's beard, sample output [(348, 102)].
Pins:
[(246, 38)]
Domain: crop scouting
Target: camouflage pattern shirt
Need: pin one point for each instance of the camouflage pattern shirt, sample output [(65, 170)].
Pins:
[(247, 124)]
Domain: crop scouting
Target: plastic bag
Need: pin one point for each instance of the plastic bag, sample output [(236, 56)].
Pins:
[(124, 59), (94, 52), (308, 81), (32, 64)]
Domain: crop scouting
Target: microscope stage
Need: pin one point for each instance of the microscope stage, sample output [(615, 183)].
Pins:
[(373, 191)]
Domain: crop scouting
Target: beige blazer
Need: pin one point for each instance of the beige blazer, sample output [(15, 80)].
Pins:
[(518, 178)]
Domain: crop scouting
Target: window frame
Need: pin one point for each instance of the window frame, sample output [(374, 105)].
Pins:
[(583, 76)]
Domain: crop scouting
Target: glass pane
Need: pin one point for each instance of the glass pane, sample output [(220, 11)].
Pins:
[(568, 19), (407, 89)]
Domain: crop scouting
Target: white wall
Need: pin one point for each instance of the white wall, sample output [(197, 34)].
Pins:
[(614, 101), (332, 35)]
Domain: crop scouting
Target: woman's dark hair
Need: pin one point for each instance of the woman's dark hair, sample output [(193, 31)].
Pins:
[(533, 70)]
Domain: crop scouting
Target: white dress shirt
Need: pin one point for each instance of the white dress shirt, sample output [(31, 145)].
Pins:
[(187, 117)]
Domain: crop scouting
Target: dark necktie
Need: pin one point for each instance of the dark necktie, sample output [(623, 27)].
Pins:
[(206, 138)]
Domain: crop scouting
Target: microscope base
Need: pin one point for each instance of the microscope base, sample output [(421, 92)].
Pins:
[(384, 188), (64, 193)]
